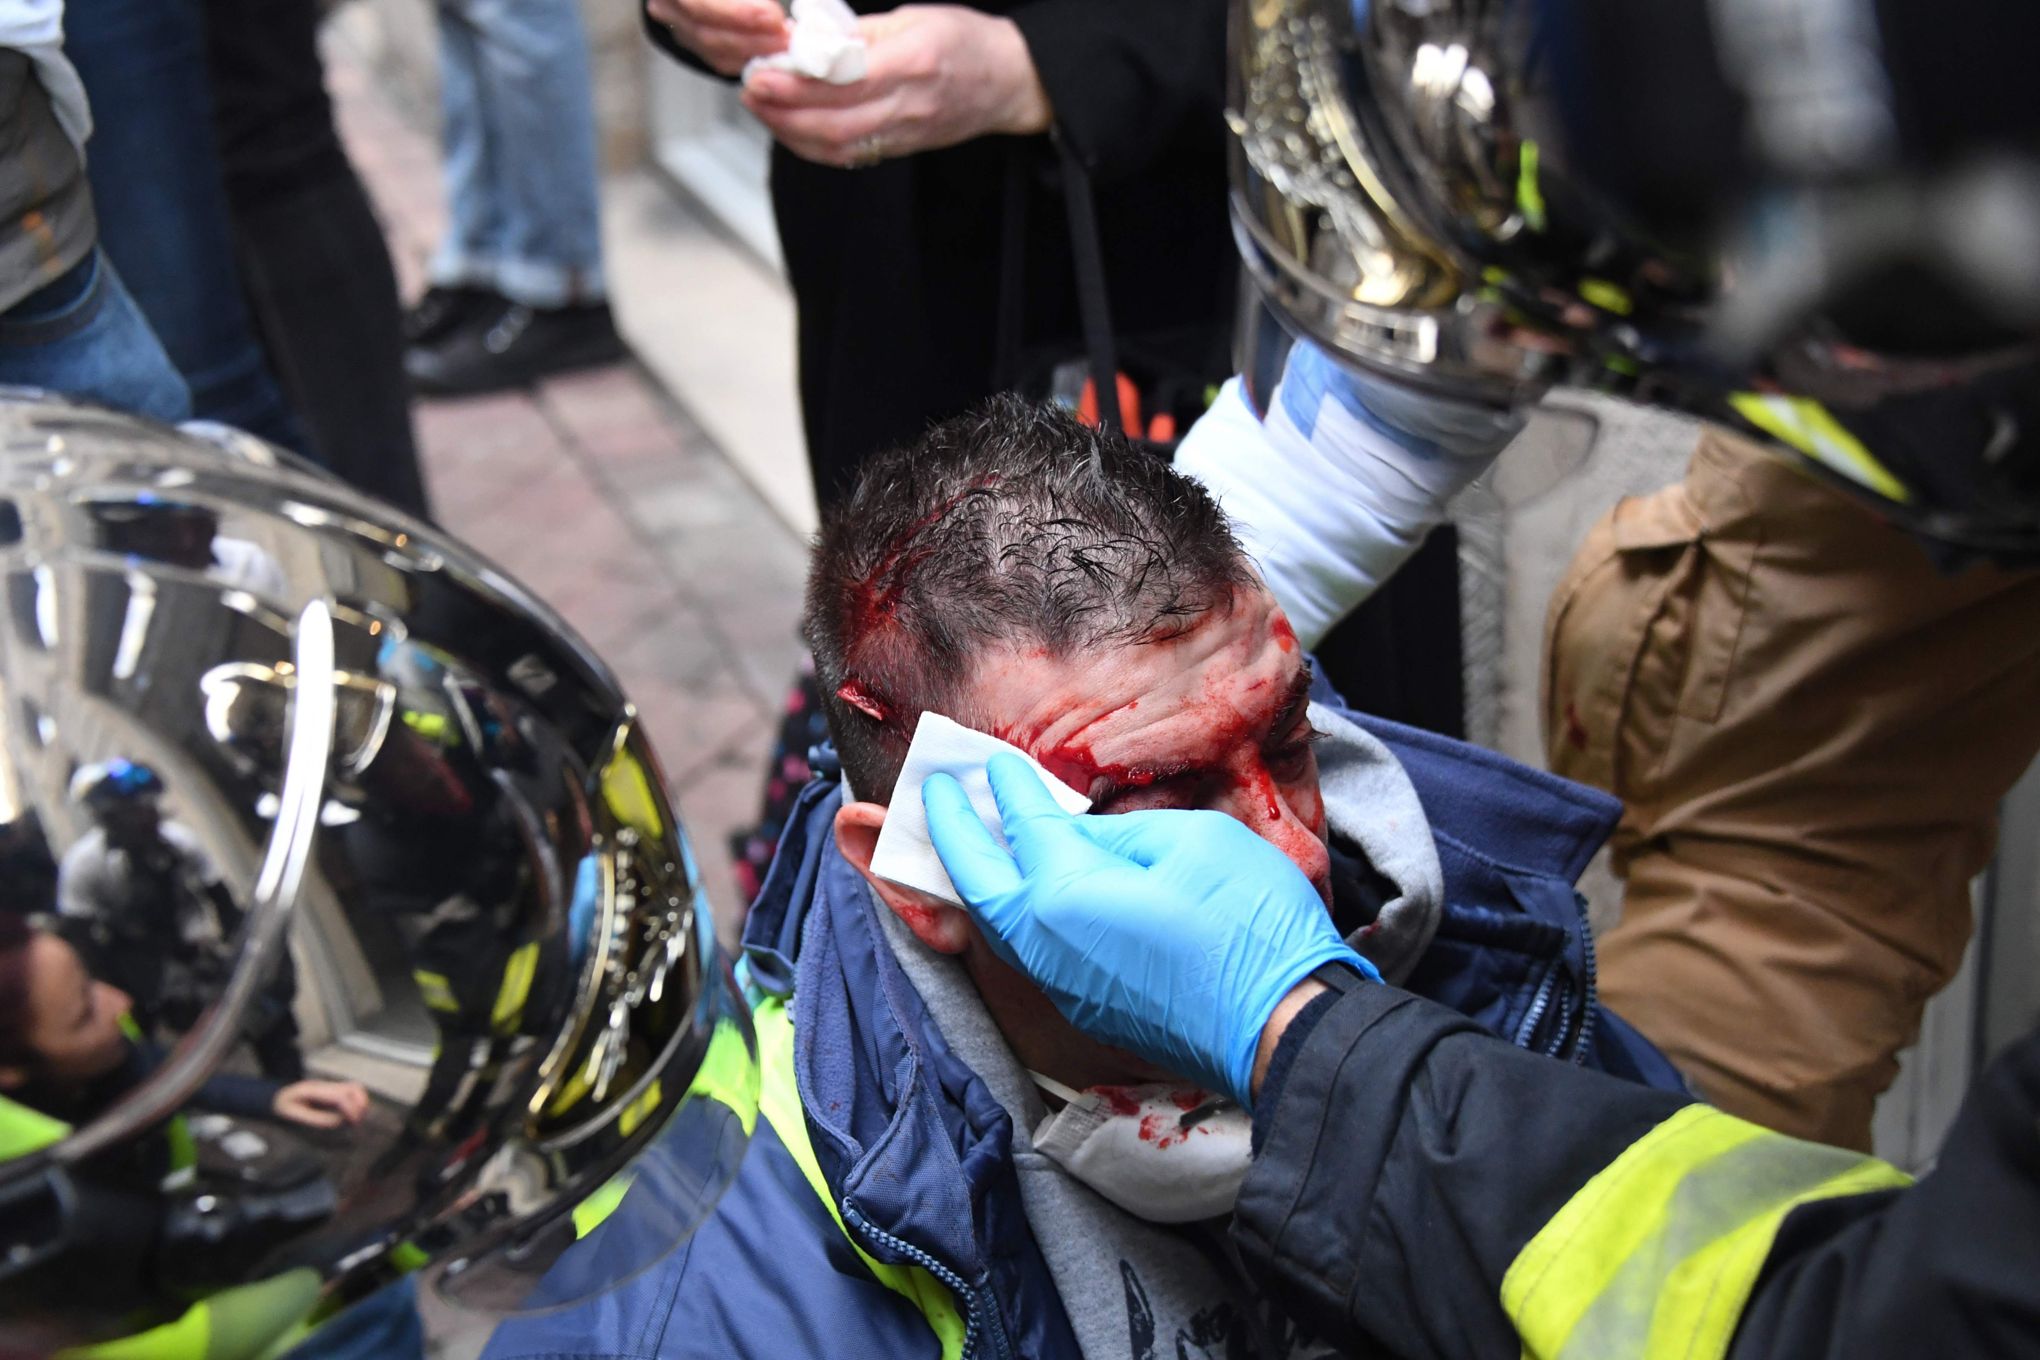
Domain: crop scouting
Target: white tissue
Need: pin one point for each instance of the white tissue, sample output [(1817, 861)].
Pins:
[(822, 45), (904, 854)]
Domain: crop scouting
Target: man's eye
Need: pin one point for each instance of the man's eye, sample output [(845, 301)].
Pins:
[(1291, 760), (1159, 796)]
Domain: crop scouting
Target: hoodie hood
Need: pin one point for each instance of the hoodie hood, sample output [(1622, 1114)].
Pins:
[(1374, 815)]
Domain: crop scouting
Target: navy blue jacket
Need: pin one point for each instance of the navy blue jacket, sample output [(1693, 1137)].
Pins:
[(912, 1151)]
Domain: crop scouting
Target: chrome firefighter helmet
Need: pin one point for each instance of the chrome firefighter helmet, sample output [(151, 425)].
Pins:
[(1459, 195), (431, 855)]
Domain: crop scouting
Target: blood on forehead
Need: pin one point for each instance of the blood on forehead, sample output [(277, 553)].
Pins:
[(1221, 727)]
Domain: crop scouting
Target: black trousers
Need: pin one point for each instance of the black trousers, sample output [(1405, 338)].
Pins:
[(313, 259)]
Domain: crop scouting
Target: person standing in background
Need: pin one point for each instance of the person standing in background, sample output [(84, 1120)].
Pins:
[(891, 199), (917, 205), (66, 322), (234, 215), (314, 261), (516, 291)]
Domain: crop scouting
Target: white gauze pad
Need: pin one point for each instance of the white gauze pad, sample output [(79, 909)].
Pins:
[(905, 855)]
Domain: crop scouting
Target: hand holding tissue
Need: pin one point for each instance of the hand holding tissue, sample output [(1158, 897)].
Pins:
[(1172, 934), (822, 44), (904, 854)]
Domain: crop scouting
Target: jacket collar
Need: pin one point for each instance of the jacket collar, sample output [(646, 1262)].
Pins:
[(913, 1145)]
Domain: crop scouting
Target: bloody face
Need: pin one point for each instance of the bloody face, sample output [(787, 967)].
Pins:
[(1213, 718)]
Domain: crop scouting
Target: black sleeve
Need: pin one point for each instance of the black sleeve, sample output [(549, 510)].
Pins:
[(229, 1093), (1948, 1267), (1406, 1159), (1128, 78)]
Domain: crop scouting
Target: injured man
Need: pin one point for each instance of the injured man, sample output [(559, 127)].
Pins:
[(943, 1166)]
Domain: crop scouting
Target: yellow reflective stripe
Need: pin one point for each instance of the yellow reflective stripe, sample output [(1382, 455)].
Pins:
[(235, 1324), (409, 1256), (1809, 427), (590, 1212), (1609, 297), (780, 1099), (183, 1150), (728, 1073), (434, 990), (1657, 1254), (578, 1083), (432, 726), (518, 972), (183, 1339), (628, 792), (23, 1130), (635, 1112), (1529, 193)]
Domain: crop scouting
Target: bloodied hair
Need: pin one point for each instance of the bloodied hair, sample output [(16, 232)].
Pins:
[(1013, 525)]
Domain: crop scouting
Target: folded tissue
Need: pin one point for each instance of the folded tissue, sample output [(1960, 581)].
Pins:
[(904, 854), (821, 44)]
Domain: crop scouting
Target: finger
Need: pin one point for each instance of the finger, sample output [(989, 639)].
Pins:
[(829, 136), (743, 16), (1143, 838), (790, 90), (313, 1116), (728, 53), (1037, 829), (981, 871)]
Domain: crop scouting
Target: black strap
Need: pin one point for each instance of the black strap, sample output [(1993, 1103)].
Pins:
[(1094, 307), (1094, 304), (1006, 373)]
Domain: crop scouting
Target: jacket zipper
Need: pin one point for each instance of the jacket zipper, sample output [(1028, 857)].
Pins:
[(1591, 1006), (973, 1299), (1526, 1032)]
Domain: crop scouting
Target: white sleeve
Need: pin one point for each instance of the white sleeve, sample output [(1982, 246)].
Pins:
[(185, 842), (80, 877), (1340, 482), (36, 28)]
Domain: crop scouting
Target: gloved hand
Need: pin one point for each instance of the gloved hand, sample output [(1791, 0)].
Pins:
[(1172, 934)]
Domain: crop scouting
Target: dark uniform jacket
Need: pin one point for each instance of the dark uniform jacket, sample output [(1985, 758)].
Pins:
[(1422, 1190)]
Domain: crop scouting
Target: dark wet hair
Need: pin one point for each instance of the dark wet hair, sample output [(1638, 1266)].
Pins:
[(1015, 525), (15, 937)]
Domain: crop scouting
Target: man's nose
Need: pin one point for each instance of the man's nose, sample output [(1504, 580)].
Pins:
[(1257, 800)]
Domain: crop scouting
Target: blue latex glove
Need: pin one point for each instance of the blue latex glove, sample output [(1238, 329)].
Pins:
[(1172, 934)]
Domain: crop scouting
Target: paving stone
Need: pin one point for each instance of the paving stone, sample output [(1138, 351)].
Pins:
[(609, 502)]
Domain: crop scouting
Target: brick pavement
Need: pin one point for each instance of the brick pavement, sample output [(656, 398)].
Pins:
[(608, 501)]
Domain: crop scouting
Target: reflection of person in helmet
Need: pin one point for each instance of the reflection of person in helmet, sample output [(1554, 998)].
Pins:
[(349, 833), (465, 872), (142, 901), (67, 1053)]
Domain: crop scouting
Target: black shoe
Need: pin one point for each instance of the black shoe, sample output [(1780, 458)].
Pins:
[(518, 346), (442, 311)]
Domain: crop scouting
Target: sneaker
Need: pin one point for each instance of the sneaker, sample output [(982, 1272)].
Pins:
[(515, 347), (442, 311)]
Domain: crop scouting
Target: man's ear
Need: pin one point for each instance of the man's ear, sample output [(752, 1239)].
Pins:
[(943, 928), (13, 1078)]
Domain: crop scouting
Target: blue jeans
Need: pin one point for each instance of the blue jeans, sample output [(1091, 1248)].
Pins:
[(519, 127), (163, 216), (82, 335)]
